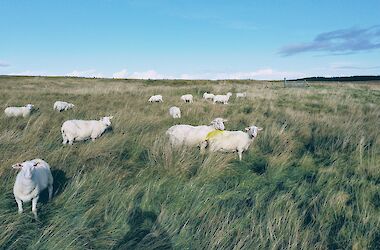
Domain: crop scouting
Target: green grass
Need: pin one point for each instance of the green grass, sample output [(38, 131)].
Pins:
[(311, 180)]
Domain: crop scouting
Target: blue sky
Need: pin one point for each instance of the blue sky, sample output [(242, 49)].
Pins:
[(190, 39)]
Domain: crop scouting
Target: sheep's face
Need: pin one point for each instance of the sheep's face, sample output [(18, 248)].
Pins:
[(71, 105), (107, 120), (27, 168), (253, 130), (29, 106), (217, 123), (229, 94)]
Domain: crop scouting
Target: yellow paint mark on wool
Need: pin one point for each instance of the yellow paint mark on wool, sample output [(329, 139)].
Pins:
[(213, 134)]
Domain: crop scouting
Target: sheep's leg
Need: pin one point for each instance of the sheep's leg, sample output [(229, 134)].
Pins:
[(34, 206), (19, 204), (240, 153), (203, 146), (50, 188)]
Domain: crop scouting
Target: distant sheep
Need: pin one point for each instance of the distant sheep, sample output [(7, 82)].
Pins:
[(222, 98), (192, 135), (208, 96), (61, 106), (80, 130), (175, 112), (231, 141), (241, 95), (33, 178), (187, 98), (19, 111), (155, 98)]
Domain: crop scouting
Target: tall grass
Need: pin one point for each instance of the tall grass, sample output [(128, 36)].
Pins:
[(309, 181)]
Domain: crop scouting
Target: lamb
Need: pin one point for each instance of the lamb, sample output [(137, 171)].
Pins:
[(33, 178), (230, 141), (222, 98), (61, 106), (208, 96), (187, 98), (241, 95), (80, 130), (155, 98), (192, 135), (175, 112), (19, 111)]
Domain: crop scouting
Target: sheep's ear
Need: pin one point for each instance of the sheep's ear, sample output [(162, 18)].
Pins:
[(111, 117), (247, 128), (225, 120), (17, 166), (259, 129)]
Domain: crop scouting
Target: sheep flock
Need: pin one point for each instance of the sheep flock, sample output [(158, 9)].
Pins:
[(35, 175)]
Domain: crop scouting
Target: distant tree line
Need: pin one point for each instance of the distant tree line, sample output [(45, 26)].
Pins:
[(339, 79)]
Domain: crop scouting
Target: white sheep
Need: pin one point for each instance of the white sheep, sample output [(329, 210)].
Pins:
[(19, 111), (80, 130), (61, 106), (230, 141), (192, 135), (175, 112), (208, 96), (33, 178), (241, 95), (187, 98), (155, 98), (222, 98)]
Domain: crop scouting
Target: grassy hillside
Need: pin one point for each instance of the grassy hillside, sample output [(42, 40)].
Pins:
[(311, 180)]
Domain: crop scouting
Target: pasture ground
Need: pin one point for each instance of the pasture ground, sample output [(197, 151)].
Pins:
[(311, 180)]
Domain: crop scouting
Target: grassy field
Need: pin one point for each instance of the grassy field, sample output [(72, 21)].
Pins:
[(311, 180)]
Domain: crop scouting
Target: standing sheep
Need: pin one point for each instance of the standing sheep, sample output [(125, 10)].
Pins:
[(33, 178), (222, 98), (231, 141), (61, 106), (80, 130), (175, 112), (19, 111), (208, 96), (192, 135), (155, 98), (241, 95), (187, 98)]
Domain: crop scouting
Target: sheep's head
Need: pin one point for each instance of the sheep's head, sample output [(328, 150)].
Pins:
[(29, 106), (71, 105), (218, 123), (107, 120), (26, 168), (252, 131), (229, 94)]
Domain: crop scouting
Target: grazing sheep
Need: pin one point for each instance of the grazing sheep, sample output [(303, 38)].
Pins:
[(19, 111), (208, 96), (175, 112), (61, 106), (222, 98), (192, 135), (33, 178), (230, 141), (241, 95), (155, 98), (80, 130), (187, 98)]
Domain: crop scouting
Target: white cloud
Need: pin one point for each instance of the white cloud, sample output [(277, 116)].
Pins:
[(120, 74), (260, 74), (150, 74), (85, 73), (4, 64), (30, 73)]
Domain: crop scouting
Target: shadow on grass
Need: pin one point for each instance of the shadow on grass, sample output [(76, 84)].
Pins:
[(145, 232)]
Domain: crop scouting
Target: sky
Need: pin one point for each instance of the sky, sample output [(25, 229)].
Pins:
[(198, 39)]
